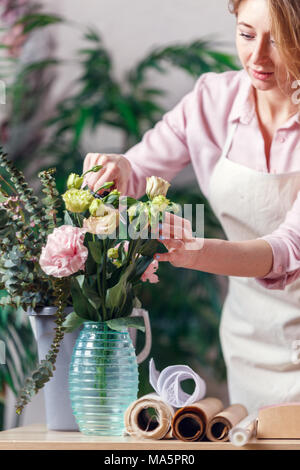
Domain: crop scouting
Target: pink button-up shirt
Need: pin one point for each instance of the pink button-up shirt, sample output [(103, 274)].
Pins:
[(195, 132)]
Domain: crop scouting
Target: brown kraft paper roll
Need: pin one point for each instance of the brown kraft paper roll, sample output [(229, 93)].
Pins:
[(141, 425), (190, 422), (219, 426)]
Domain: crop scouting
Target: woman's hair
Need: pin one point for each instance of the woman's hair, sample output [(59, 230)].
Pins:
[(285, 28)]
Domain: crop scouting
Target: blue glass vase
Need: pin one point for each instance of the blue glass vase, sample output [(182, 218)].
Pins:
[(103, 379)]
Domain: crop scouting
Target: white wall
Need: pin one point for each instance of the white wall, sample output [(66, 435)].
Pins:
[(130, 29)]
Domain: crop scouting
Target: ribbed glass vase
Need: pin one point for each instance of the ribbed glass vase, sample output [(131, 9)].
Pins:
[(103, 379)]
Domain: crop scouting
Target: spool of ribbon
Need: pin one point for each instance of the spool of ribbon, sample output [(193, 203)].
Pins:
[(167, 384)]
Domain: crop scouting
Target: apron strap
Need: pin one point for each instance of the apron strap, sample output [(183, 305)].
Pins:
[(229, 140)]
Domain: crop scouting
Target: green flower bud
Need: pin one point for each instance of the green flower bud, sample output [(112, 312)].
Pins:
[(160, 203), (74, 181), (77, 200), (97, 208), (113, 253), (116, 262), (115, 192), (138, 209)]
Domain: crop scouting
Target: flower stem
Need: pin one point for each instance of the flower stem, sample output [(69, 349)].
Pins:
[(104, 274), (78, 220)]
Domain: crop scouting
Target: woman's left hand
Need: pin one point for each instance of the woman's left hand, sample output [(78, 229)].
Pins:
[(176, 235)]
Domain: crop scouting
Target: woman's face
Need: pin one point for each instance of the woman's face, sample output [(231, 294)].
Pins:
[(256, 48)]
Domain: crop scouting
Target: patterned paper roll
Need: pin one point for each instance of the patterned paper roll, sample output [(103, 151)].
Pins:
[(190, 422), (219, 426), (140, 424)]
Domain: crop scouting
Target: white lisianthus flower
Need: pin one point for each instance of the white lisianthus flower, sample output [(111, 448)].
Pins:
[(156, 186), (103, 225)]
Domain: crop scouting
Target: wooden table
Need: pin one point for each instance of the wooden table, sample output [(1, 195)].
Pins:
[(36, 437)]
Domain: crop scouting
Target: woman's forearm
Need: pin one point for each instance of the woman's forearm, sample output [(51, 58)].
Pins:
[(251, 258)]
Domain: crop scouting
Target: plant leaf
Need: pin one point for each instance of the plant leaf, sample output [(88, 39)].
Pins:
[(119, 324), (96, 251), (116, 295), (72, 322), (68, 219), (81, 305)]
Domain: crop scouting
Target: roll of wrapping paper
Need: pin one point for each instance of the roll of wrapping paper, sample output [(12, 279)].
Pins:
[(242, 432), (190, 422), (141, 424), (219, 426)]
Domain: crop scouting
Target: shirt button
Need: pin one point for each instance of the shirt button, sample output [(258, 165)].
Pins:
[(279, 269)]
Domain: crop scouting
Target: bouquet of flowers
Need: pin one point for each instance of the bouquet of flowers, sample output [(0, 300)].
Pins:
[(95, 257)]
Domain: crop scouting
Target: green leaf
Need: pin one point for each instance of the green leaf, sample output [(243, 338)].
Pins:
[(92, 295), (127, 201), (72, 322), (81, 304), (37, 20), (119, 324), (116, 295), (150, 248), (68, 219), (95, 249)]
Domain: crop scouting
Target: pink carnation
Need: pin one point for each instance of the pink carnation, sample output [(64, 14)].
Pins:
[(64, 253), (149, 275)]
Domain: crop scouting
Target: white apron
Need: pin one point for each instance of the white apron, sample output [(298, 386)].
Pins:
[(259, 326)]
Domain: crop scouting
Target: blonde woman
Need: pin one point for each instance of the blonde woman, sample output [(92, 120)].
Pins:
[(241, 131)]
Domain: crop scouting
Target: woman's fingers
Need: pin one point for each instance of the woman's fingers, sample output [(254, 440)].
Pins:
[(177, 221), (172, 244), (116, 168), (171, 231), (173, 247), (176, 227)]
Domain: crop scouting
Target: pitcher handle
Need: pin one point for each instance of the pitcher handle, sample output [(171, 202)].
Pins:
[(140, 312)]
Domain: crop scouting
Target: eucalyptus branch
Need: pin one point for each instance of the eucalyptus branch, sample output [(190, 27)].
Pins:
[(25, 193), (52, 201)]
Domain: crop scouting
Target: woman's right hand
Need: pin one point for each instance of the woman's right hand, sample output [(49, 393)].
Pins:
[(115, 168)]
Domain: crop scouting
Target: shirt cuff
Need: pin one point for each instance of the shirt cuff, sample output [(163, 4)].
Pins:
[(277, 277)]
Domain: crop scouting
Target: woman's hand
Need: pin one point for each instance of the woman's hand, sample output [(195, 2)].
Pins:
[(183, 249), (115, 168), (248, 258)]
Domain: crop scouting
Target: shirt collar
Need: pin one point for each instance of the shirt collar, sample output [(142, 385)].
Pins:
[(243, 108)]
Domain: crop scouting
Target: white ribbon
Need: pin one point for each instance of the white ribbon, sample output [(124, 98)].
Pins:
[(167, 384)]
